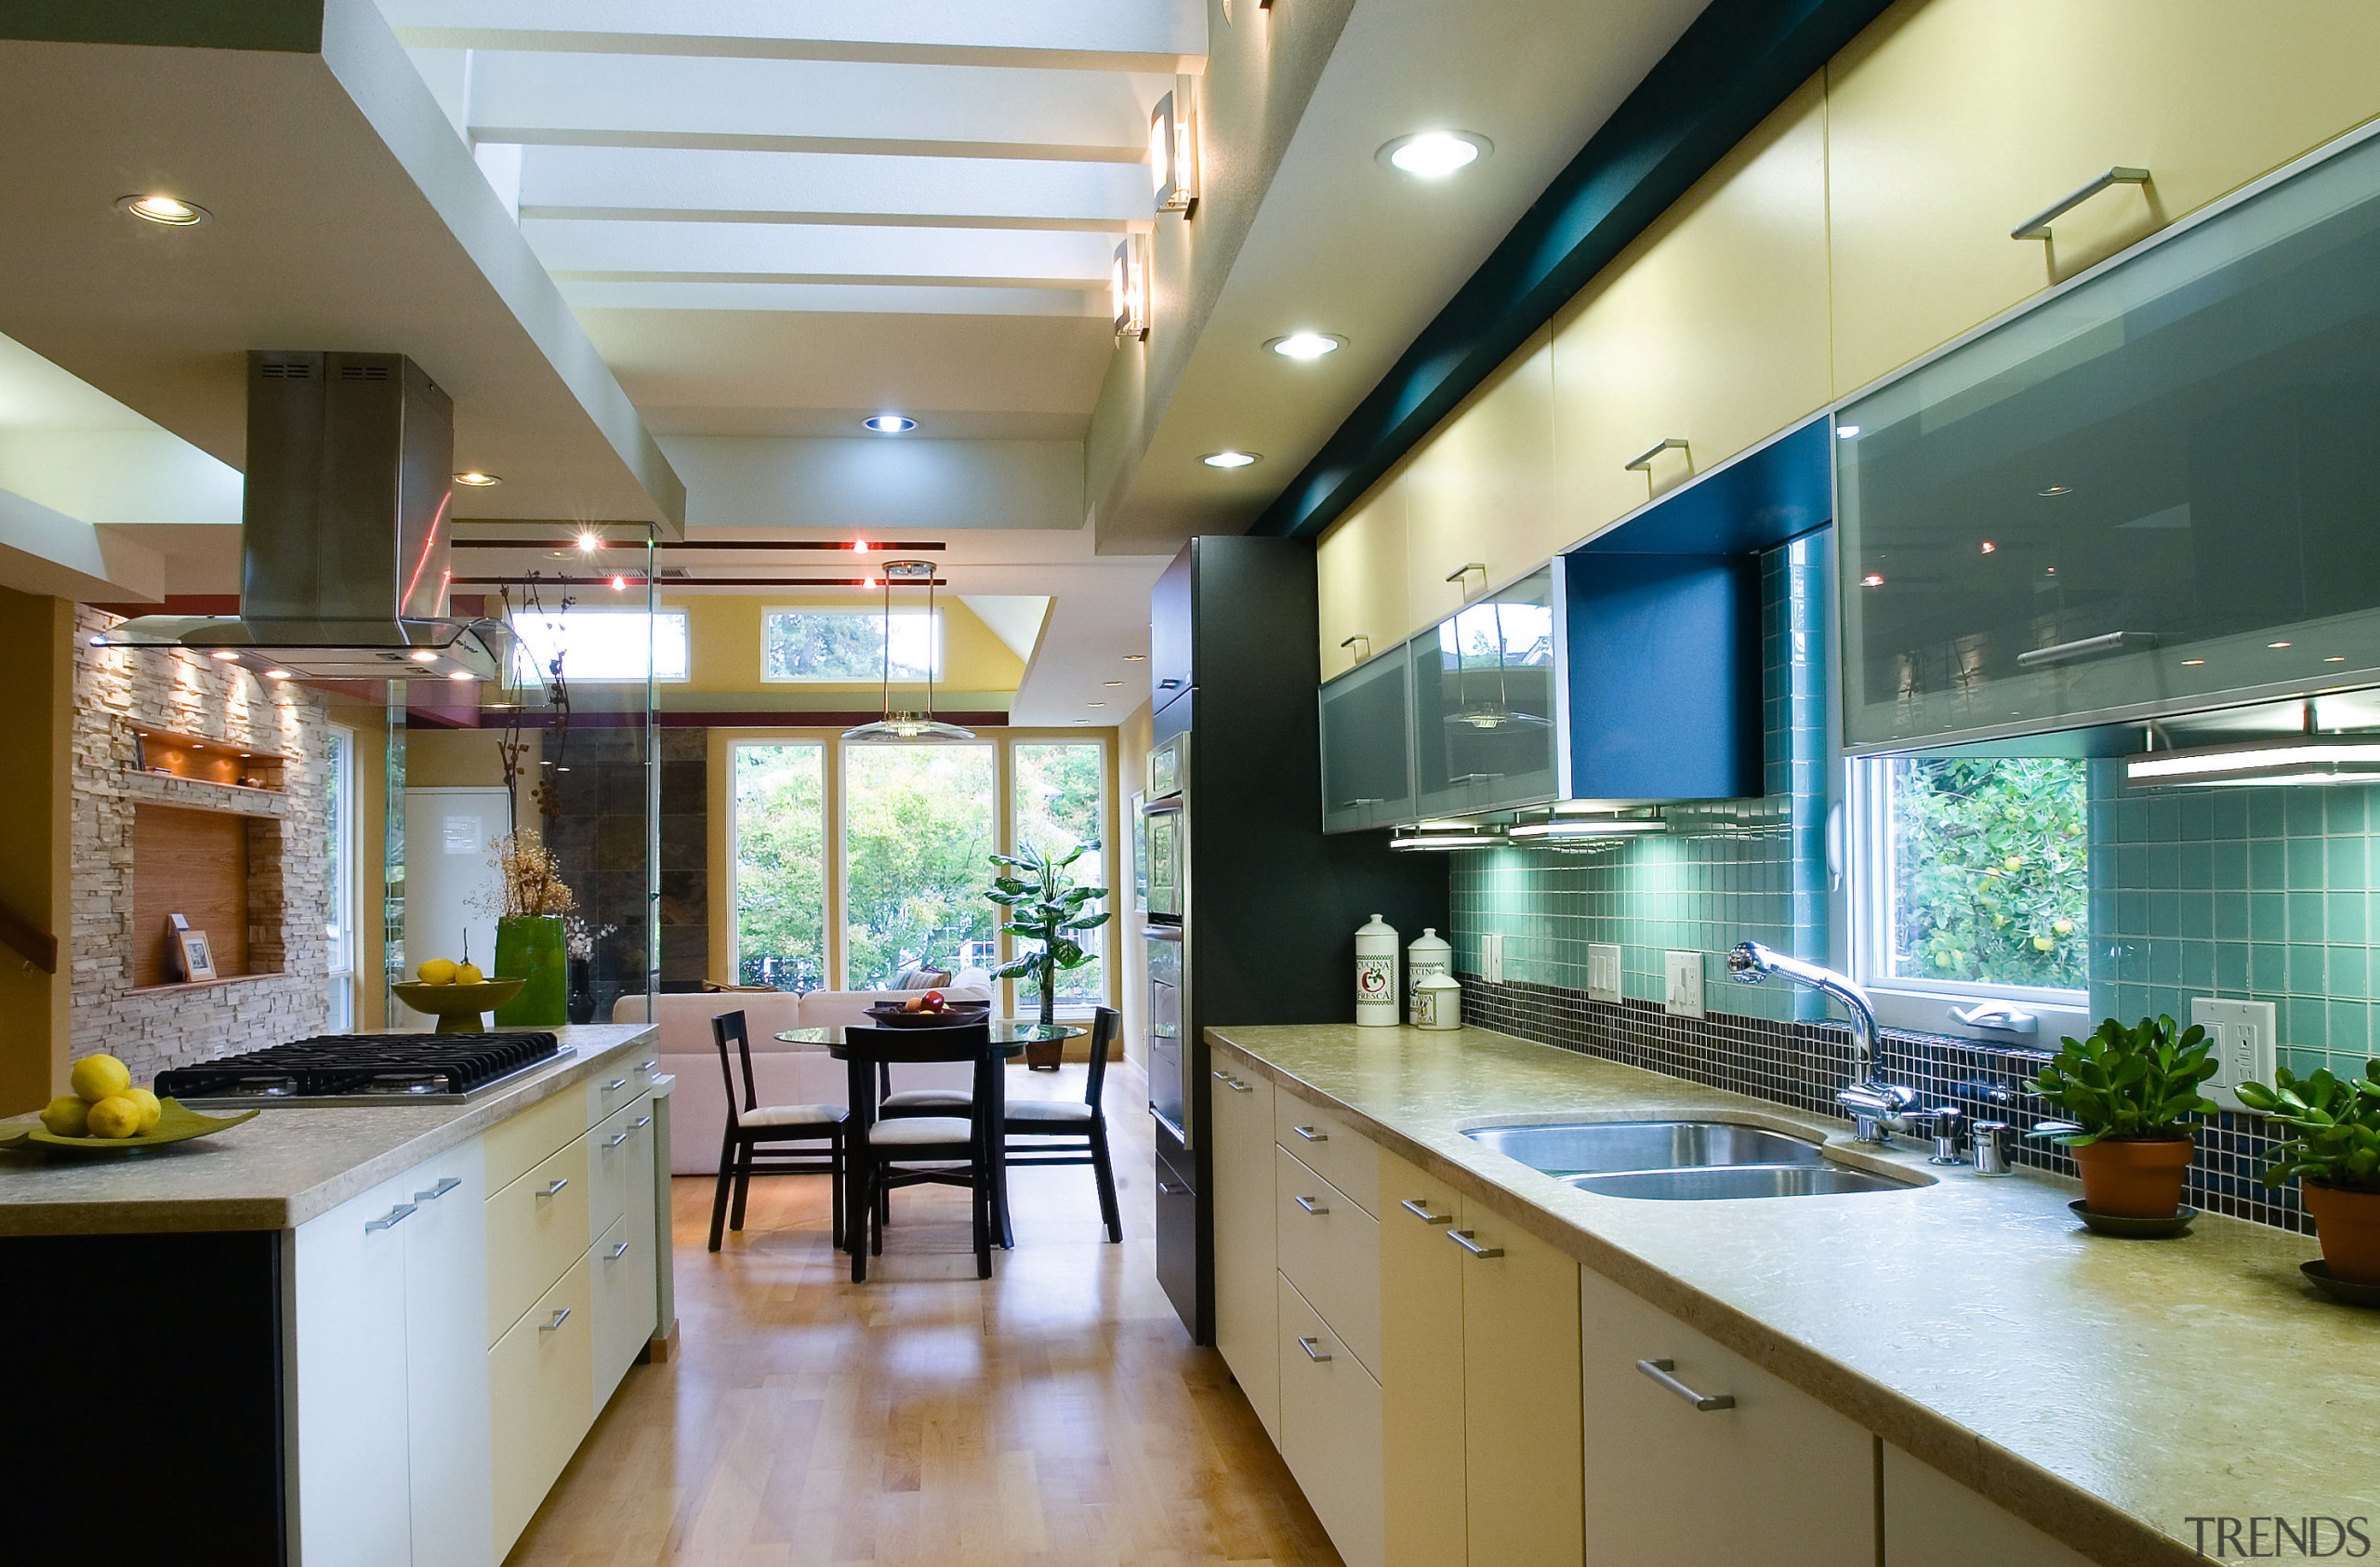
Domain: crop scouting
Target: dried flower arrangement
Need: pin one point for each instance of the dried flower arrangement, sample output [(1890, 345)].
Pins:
[(530, 880), (580, 941)]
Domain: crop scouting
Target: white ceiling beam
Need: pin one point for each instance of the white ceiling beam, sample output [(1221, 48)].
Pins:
[(786, 106), (873, 297), (748, 252), (1065, 34)]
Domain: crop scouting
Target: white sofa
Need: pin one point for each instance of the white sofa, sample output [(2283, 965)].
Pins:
[(782, 1074)]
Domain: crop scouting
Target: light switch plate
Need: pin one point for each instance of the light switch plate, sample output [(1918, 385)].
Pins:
[(2243, 1034), (1603, 971), (1682, 996), (1491, 958)]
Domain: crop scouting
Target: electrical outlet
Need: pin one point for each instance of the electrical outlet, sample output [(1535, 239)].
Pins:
[(2243, 1034), (1603, 971), (1682, 997), (1491, 958)]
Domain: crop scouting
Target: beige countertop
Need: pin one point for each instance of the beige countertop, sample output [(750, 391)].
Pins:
[(285, 1167), (2107, 1392)]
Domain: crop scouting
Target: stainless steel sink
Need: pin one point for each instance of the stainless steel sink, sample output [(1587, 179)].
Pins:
[(1722, 1182), (1679, 1160), (1598, 1147)]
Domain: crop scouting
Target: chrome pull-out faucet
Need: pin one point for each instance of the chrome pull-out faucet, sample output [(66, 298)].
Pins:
[(1877, 1109)]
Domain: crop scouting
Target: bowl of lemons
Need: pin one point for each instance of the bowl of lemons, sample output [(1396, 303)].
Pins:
[(107, 1114), (458, 995)]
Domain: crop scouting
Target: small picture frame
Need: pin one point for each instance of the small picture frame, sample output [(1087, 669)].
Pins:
[(198, 958)]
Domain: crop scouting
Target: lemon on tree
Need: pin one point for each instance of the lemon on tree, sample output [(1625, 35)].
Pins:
[(117, 1116), (67, 1116), (99, 1077)]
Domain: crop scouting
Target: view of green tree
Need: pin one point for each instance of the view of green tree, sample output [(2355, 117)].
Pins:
[(780, 866), (918, 841), (840, 644), (1991, 873), (1059, 802)]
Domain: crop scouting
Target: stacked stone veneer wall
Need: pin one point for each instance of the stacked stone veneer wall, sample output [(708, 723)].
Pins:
[(119, 693)]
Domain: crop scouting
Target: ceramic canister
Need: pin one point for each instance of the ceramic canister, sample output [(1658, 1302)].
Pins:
[(1437, 1002), (1376, 989), (1431, 954)]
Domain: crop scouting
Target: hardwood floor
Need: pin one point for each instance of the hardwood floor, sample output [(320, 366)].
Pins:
[(1054, 1415)]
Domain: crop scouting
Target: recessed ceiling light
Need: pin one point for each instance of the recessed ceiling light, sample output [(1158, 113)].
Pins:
[(423, 656), (1845, 431), (1135, 658), (1307, 345), (1094, 704), (2267, 644), (1988, 547), (459, 674), (1231, 459), (1111, 682), (171, 211), (1871, 580), (226, 654), (2056, 489), (1434, 155), (276, 674), (2193, 661), (890, 424), (2335, 659), (476, 479), (590, 541)]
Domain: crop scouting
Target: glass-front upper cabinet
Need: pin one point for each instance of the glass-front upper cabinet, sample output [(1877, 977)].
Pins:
[(1367, 749), (2157, 491), (1483, 703)]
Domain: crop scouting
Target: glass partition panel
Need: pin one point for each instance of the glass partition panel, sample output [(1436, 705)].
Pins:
[(919, 834)]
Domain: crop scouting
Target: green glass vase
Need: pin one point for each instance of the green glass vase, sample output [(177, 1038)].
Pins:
[(530, 947)]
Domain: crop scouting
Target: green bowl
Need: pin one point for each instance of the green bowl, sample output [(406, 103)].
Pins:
[(458, 1008), (174, 1124)]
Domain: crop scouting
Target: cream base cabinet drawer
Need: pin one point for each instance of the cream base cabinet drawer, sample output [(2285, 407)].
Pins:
[(1329, 1249), (1330, 1431), (447, 1359), (537, 1226), (1520, 1417), (622, 1263), (1932, 1519), (353, 1500), (1330, 1148), (1420, 1369), (1777, 1478), (540, 1376), (612, 1148), (1247, 1286)]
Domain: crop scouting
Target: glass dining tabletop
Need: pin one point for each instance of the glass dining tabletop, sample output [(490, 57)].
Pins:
[(1011, 1033)]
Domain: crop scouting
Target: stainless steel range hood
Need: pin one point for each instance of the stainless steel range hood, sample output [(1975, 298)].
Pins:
[(344, 531)]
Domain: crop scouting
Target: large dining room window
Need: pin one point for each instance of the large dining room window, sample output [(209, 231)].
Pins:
[(919, 829), (780, 865), (1058, 802)]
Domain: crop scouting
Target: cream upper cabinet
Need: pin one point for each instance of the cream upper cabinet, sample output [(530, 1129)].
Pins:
[(1420, 1369), (1951, 122), (1480, 490), (1246, 1291), (1775, 1477), (1932, 1518), (1522, 1462), (1360, 573), (1711, 328)]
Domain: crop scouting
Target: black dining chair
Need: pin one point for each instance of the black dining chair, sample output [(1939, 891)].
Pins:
[(752, 1126), (1067, 1132), (958, 1149)]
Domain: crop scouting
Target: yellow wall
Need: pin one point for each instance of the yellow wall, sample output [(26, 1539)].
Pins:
[(36, 714), (724, 636)]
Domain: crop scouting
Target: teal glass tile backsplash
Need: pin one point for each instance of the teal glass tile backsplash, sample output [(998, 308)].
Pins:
[(2255, 894), (1724, 871)]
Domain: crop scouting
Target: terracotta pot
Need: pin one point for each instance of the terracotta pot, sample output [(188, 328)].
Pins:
[(1044, 1056), (2134, 1179), (2348, 1226)]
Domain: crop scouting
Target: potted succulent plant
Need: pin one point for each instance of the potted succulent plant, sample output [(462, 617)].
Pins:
[(2129, 1092), (2335, 1158), (1046, 909)]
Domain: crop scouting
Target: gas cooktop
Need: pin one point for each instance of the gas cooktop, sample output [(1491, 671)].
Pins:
[(364, 1068)]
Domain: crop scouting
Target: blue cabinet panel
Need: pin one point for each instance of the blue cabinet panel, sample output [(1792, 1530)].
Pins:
[(1664, 664)]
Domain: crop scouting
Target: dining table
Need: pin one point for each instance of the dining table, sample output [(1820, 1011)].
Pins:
[(1008, 1038)]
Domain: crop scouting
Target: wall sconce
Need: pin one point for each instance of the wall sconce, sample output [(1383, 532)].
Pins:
[(1127, 288), (1173, 153)]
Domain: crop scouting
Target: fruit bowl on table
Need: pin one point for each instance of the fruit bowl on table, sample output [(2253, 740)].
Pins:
[(458, 1007), (893, 1014), (176, 1123)]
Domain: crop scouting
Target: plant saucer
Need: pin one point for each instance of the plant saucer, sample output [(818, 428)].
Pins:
[(2135, 1229), (2340, 1289)]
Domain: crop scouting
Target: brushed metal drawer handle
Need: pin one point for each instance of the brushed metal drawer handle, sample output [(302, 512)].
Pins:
[(619, 1252), (1310, 1135), (618, 1139), (1312, 1353), (1644, 460), (1311, 1206), (646, 1066), (392, 1218), (1463, 1238), (560, 1318), (1660, 1372), (2037, 226), (559, 1182), (1420, 1209), (440, 1190), (1172, 1190), (615, 1085), (640, 1123)]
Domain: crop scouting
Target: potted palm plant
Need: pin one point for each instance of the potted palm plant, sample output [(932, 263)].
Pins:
[(1046, 909), (2335, 1158), (2129, 1092)]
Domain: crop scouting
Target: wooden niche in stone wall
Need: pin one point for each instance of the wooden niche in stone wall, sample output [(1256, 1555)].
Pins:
[(194, 864)]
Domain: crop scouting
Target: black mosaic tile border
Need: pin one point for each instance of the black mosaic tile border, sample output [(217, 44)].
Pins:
[(1801, 1065)]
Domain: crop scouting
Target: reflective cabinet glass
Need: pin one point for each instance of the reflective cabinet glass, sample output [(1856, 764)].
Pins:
[(1367, 757), (2157, 491), (1483, 703)]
